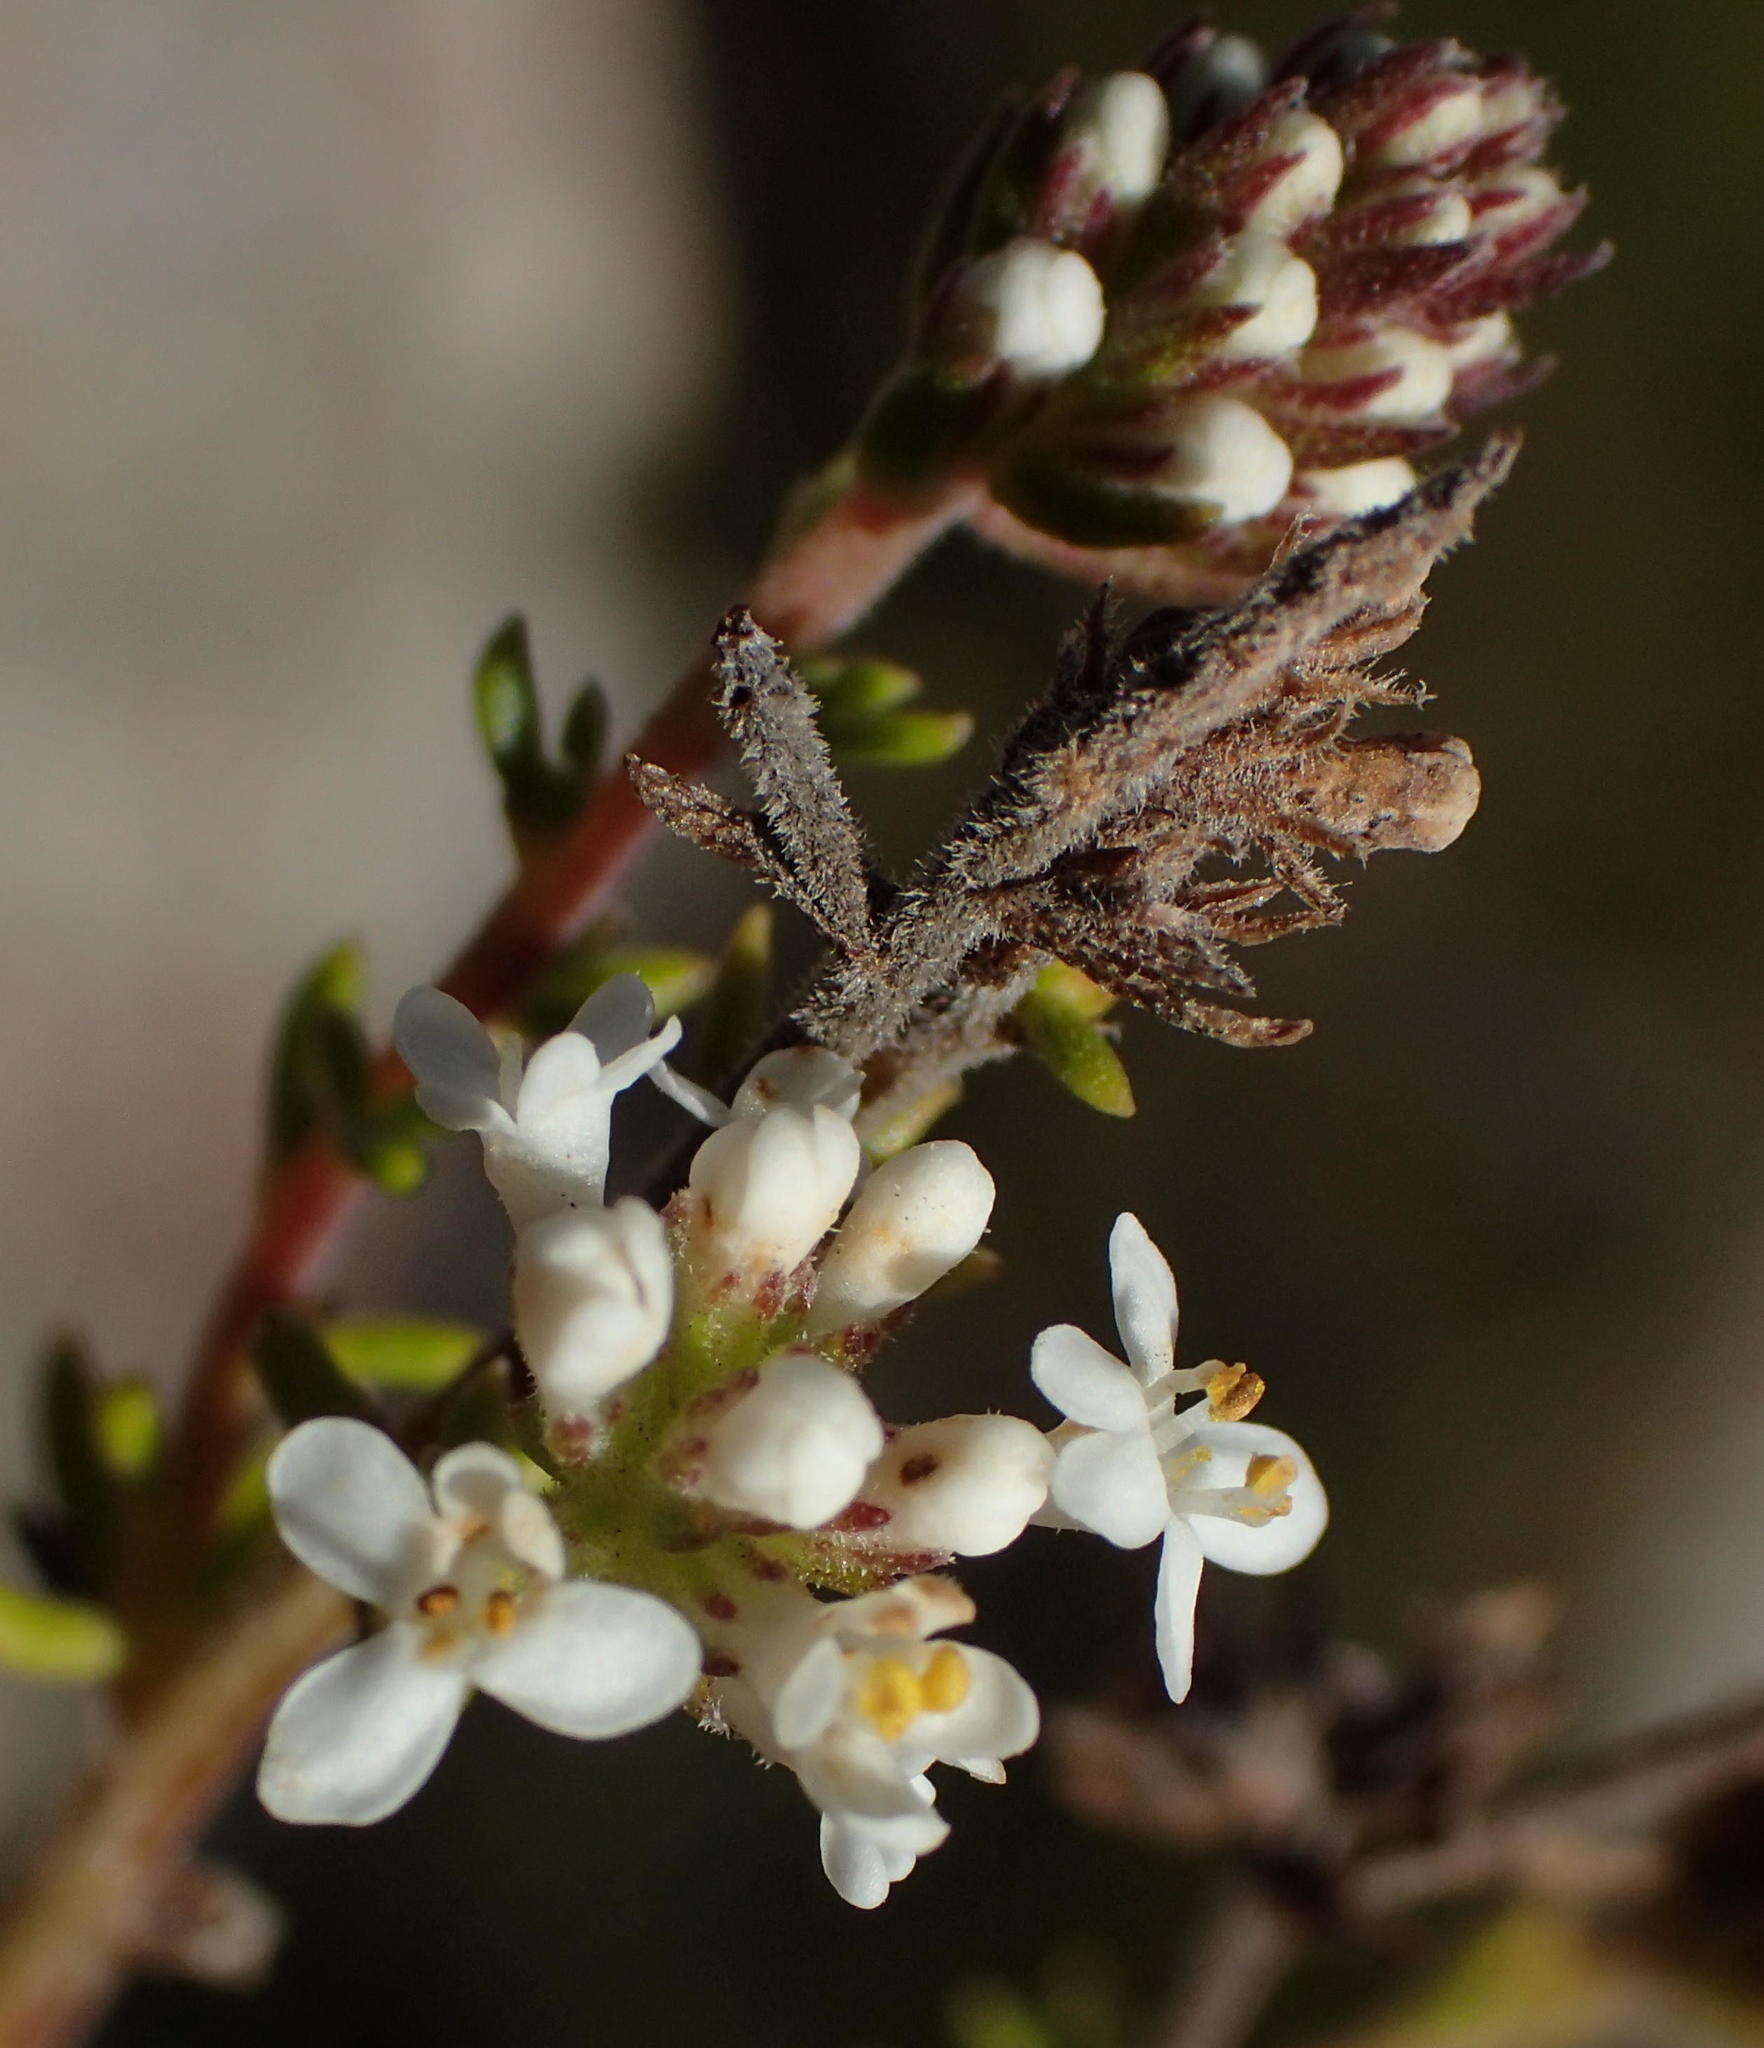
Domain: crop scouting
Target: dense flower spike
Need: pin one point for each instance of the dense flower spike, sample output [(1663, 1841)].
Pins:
[(1191, 303), (1132, 1466), (469, 1573)]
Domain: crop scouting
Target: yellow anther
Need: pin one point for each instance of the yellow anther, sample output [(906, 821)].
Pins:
[(501, 1611), (1233, 1391), (438, 1602), (890, 1697), (1268, 1478), (946, 1680)]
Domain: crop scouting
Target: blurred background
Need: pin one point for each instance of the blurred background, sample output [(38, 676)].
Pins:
[(331, 333)]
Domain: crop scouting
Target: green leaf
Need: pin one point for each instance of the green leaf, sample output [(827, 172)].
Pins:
[(300, 1377), (1060, 1026), (676, 976), (58, 1642), (506, 701), (849, 685), (908, 1123), (899, 739), (584, 729), (127, 1426), (401, 1354), (84, 1481), (310, 1057), (734, 1012)]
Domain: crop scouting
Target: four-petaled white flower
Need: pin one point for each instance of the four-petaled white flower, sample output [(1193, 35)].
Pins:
[(470, 1576), (1132, 1466), (547, 1132), (857, 1700)]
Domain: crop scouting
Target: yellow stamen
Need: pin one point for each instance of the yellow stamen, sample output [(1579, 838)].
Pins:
[(501, 1612), (946, 1680), (438, 1602), (1268, 1478), (1233, 1391), (890, 1697)]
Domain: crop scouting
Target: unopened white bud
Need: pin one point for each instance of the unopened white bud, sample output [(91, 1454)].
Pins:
[(965, 1486), (1515, 197), (794, 1448), (1420, 388), (768, 1188), (1359, 487), (1122, 123), (1445, 123), (1308, 185), (593, 1297), (1261, 272), (1035, 308), (797, 1078), (1225, 454), (1446, 219), (1481, 341), (918, 1216)]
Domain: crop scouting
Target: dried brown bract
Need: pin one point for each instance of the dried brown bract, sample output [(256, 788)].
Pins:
[(1167, 804)]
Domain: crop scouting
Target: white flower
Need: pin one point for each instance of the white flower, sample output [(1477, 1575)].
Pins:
[(593, 1298), (471, 1580), (1310, 154), (964, 1486), (1131, 1466), (546, 1132), (1121, 126), (1260, 272), (859, 1703), (919, 1215), (792, 1448), (764, 1191), (1035, 308), (1225, 454)]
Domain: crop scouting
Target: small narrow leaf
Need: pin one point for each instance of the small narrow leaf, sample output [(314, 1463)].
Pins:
[(401, 1354), (899, 739), (676, 978), (584, 729), (849, 685), (303, 1058), (300, 1377), (128, 1428), (1059, 1025), (734, 1012), (506, 701), (58, 1642), (84, 1481)]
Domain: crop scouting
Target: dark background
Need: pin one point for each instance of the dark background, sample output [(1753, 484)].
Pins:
[(1492, 1234)]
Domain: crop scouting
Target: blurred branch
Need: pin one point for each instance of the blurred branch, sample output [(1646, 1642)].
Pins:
[(1243, 1952)]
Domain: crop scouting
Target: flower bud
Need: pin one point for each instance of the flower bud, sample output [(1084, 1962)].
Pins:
[(918, 1216), (593, 1297), (1258, 273), (963, 1487), (767, 1189), (1442, 117), (1209, 77), (1309, 154), (793, 1448), (1223, 453), (1030, 308), (1119, 127), (1394, 374), (1357, 487), (1398, 792)]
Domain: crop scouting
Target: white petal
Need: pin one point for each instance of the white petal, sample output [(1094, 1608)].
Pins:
[(478, 1482), (593, 1660), (1085, 1382), (1113, 1485), (913, 1608), (562, 1079), (809, 1698), (616, 1016), (999, 1717), (800, 1077), (1145, 1298), (863, 1858), (642, 1058), (356, 1736), (353, 1508), (453, 1059), (1277, 1545), (694, 1100), (852, 1770), (1179, 1575)]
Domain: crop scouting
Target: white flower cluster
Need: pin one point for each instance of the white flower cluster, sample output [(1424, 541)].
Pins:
[(718, 1515)]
